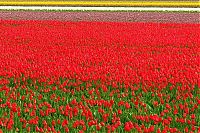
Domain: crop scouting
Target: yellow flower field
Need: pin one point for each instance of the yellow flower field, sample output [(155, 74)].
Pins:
[(103, 3)]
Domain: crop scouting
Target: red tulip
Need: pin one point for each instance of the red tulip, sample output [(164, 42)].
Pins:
[(37, 129), (127, 128), (65, 122), (193, 116), (186, 129), (10, 124), (127, 105)]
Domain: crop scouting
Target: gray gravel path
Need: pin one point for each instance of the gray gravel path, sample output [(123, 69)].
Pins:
[(103, 16)]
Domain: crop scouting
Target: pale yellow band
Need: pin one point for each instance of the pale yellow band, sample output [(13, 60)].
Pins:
[(103, 3)]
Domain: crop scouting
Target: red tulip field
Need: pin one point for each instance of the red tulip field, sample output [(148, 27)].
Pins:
[(99, 77)]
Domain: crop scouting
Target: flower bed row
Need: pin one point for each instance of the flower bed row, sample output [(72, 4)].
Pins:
[(99, 77)]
